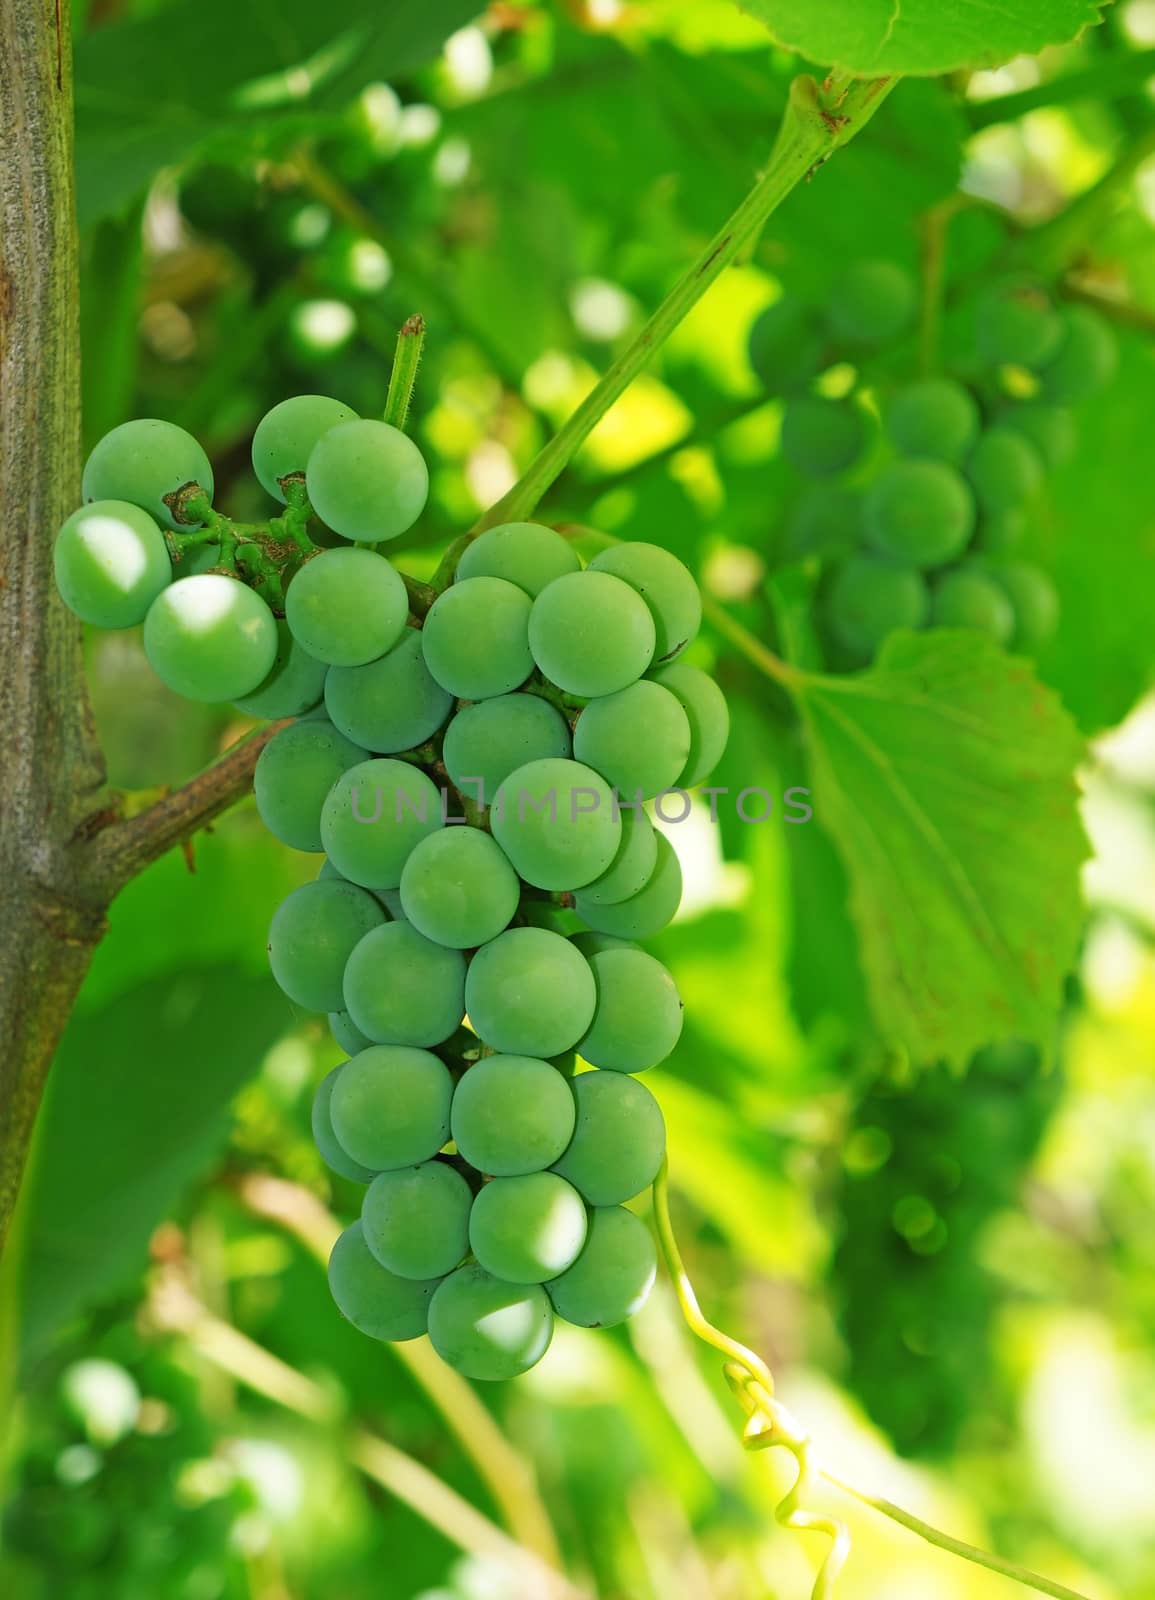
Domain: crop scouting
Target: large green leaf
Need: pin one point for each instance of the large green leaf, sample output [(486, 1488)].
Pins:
[(946, 778), (920, 36)]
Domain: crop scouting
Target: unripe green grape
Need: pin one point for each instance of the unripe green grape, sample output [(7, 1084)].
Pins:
[(1016, 325), (312, 935), (373, 816), (529, 992), (591, 633), (666, 585), (527, 1229), (709, 717), (326, 1140), (512, 1114), (645, 913), (347, 607), (967, 598), (613, 1276), (293, 776), (1050, 428), (936, 418), (353, 265), (143, 461), (1033, 599), (872, 303), (285, 437), (638, 1017), (824, 521), (527, 554), (921, 512), (868, 599), (821, 437), (401, 988), (210, 638), (345, 1034), (638, 739), (295, 683), (317, 330), (618, 1141), (632, 867), (390, 1106), (486, 1329), (416, 1219), (485, 742), (1000, 530), (556, 821), (786, 346), (476, 638), (376, 1302), (1005, 470), (390, 704), (458, 888), (367, 480), (111, 562), (1085, 358)]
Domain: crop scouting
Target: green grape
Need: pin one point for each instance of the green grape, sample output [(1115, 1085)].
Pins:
[(824, 521), (1000, 530), (935, 417), (613, 1276), (527, 1229), (487, 1329), (476, 638), (389, 704), (872, 303), (326, 1140), (401, 988), (1033, 599), (1016, 325), (709, 717), (645, 913), (373, 816), (557, 822), (390, 1106), (523, 553), (638, 1017), (665, 584), (919, 512), (111, 562), (1085, 358), (416, 1219), (295, 684), (312, 935), (376, 1302), (484, 743), (618, 1141), (294, 774), (285, 437), (591, 633), (968, 598), (512, 1114), (786, 346), (347, 607), (821, 437), (632, 867), (1005, 470), (317, 330), (353, 265), (367, 480), (638, 739), (529, 993), (458, 889), (210, 638), (351, 1039), (143, 461), (868, 599), (1050, 428)]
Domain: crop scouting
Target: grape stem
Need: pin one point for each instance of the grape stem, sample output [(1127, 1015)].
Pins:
[(406, 360), (769, 1424)]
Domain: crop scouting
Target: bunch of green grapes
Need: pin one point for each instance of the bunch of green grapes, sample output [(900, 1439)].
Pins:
[(476, 776), (917, 527)]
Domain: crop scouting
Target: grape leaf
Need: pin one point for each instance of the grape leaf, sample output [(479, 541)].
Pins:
[(946, 778), (920, 36)]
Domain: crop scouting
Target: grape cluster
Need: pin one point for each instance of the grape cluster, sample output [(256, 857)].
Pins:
[(917, 528), (476, 776)]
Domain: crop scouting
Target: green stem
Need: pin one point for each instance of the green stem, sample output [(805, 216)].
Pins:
[(404, 374), (817, 122), (1112, 77), (1056, 244)]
